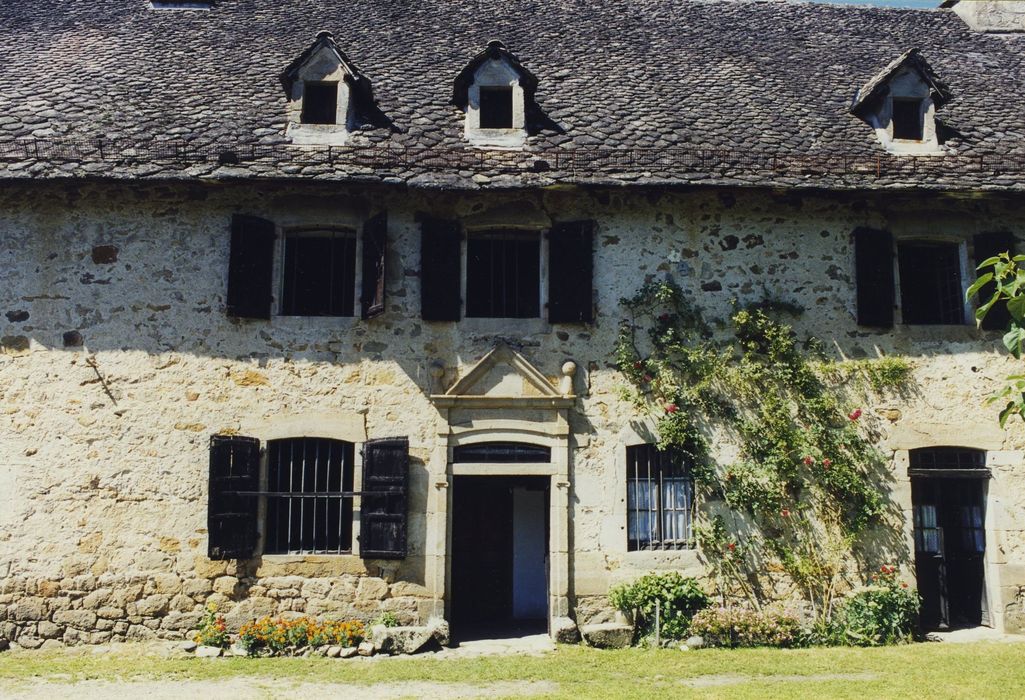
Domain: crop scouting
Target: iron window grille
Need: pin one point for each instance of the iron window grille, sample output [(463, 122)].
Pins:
[(503, 274), (930, 283), (947, 458), (319, 273), (660, 499), (308, 496), (320, 103)]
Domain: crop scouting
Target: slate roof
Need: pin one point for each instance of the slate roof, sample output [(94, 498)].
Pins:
[(731, 92)]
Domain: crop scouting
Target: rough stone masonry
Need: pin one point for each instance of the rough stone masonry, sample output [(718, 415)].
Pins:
[(117, 362)]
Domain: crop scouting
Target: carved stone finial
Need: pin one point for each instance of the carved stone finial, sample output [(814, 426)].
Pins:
[(569, 368)]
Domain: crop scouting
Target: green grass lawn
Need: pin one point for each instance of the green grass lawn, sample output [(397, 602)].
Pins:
[(981, 670)]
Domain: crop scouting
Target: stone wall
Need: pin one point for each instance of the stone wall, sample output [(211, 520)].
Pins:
[(117, 362)]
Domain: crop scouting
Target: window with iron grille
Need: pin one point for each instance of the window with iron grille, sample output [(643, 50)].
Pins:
[(306, 513), (503, 274), (931, 290), (319, 273), (660, 499), (320, 103)]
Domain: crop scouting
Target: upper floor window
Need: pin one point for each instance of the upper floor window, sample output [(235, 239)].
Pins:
[(660, 499), (931, 286), (503, 274), (506, 273), (319, 273), (318, 270), (900, 103)]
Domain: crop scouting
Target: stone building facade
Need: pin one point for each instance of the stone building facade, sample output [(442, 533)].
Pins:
[(121, 357)]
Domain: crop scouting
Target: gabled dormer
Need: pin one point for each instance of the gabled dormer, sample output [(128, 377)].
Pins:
[(900, 103), (496, 92), (328, 98)]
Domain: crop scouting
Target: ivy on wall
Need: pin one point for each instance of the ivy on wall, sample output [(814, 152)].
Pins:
[(802, 489)]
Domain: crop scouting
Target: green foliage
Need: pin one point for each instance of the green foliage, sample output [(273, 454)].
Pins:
[(387, 618), (883, 613), (213, 631), (1008, 279), (678, 599), (738, 627), (802, 479)]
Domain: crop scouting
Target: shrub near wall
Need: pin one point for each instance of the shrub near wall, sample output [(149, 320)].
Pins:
[(675, 598), (738, 627)]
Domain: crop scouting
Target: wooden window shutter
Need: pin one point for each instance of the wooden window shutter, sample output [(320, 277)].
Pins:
[(250, 267), (231, 519), (383, 509), (570, 270), (440, 270), (375, 245), (988, 245), (873, 255)]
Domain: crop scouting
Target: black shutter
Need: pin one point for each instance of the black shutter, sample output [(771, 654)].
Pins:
[(440, 276), (231, 519), (383, 516), (250, 267), (570, 271), (375, 243), (988, 245), (873, 256)]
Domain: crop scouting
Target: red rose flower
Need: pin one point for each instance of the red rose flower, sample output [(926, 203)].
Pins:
[(808, 460), (785, 512), (855, 414), (732, 547), (827, 463), (671, 408), (638, 365)]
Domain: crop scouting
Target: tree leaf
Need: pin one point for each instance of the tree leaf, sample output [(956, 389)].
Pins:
[(1013, 340), (979, 283), (1016, 307)]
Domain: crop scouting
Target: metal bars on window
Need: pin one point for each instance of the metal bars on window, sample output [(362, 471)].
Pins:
[(309, 500), (947, 458), (660, 499)]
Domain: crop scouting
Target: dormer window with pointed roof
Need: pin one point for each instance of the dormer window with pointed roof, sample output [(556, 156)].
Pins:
[(495, 91), (900, 103), (328, 98)]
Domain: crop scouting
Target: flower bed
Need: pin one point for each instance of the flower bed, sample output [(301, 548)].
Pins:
[(270, 636)]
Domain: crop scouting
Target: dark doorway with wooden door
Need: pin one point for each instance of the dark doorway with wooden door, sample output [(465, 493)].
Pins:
[(948, 493), (500, 534)]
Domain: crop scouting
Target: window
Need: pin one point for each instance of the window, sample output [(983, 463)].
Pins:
[(496, 107), (301, 489), (318, 273), (907, 118), (660, 497), (502, 453), (930, 283), (320, 103), (306, 513), (503, 274)]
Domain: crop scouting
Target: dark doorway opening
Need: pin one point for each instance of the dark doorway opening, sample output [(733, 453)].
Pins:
[(950, 548), (500, 533)]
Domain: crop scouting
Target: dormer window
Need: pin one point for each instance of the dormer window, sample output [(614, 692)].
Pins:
[(900, 103), (495, 91), (320, 103), (496, 107), (328, 98), (907, 118)]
